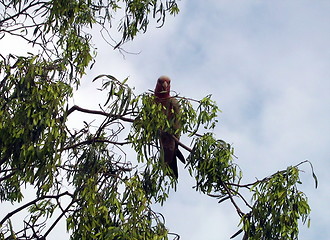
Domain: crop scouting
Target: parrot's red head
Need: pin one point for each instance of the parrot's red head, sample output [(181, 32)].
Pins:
[(163, 87)]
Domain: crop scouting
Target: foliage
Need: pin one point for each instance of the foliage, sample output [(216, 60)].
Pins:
[(88, 176), (61, 29), (278, 205), (30, 128)]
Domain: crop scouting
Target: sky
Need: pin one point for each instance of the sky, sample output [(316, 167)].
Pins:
[(266, 64)]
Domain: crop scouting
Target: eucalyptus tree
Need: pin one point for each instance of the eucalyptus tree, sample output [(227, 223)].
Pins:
[(84, 176)]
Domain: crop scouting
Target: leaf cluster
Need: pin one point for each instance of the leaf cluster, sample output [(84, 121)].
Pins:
[(31, 127), (210, 162), (278, 205), (61, 30)]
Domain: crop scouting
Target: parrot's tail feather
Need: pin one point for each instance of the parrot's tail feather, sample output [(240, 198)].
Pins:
[(174, 166), (180, 156)]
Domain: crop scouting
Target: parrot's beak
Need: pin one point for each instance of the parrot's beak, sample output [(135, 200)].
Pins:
[(165, 85)]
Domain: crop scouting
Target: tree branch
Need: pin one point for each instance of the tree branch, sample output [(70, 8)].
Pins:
[(80, 109), (239, 211), (181, 144), (58, 219), (7, 176), (31, 203), (91, 141), (12, 17)]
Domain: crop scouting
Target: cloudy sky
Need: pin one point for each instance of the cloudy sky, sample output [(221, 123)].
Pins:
[(267, 65)]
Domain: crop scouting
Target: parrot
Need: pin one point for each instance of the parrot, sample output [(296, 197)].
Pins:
[(168, 144)]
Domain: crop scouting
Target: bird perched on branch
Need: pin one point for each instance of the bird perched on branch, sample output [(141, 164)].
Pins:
[(168, 144)]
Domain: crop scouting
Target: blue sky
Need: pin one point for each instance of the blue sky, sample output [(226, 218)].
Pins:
[(266, 64)]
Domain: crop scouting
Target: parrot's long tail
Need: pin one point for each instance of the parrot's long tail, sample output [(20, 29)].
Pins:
[(180, 155)]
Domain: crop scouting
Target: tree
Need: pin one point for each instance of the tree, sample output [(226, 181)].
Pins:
[(83, 175)]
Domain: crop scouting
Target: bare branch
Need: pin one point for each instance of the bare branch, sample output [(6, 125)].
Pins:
[(181, 144), (91, 141), (59, 218), (22, 12), (239, 211), (80, 109), (9, 215), (7, 176)]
